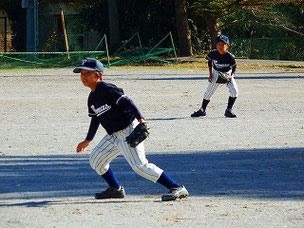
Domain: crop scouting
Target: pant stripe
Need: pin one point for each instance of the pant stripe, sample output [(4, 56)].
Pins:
[(212, 87), (233, 88), (140, 166), (97, 148), (96, 151), (111, 145), (107, 158), (143, 166)]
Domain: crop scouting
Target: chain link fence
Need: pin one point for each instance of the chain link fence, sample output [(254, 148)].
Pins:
[(289, 48)]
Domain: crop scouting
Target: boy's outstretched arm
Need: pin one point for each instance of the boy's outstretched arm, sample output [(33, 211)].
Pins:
[(91, 133), (210, 74)]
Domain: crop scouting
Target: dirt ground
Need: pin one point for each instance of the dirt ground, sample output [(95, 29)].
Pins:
[(243, 172)]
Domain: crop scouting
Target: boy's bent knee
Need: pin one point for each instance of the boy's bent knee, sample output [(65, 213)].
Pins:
[(148, 171), (98, 166)]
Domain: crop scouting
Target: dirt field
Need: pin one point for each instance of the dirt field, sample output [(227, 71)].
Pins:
[(243, 172)]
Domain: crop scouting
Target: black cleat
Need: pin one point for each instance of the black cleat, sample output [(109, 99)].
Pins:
[(111, 193), (229, 113), (198, 113), (175, 193)]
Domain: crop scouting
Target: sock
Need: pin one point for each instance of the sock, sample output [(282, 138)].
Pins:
[(166, 181), (204, 104), (231, 101), (111, 179)]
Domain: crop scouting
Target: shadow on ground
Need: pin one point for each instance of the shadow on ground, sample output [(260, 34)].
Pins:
[(258, 173)]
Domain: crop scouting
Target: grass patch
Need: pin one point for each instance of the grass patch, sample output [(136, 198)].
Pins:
[(292, 66), (201, 64)]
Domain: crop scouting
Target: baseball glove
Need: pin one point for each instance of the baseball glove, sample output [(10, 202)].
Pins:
[(139, 134), (223, 77)]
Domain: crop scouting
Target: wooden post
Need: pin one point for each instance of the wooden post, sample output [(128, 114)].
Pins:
[(173, 46), (107, 49), (66, 43)]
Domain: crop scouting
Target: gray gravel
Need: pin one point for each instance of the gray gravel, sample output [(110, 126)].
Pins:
[(243, 172)]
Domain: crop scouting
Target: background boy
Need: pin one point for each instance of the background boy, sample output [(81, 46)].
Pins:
[(220, 59)]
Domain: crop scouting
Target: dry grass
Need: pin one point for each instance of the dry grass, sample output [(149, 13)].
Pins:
[(201, 64), (243, 65)]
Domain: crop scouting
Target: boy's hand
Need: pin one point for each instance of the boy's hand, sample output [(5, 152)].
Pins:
[(81, 146), (141, 120), (210, 78), (231, 77)]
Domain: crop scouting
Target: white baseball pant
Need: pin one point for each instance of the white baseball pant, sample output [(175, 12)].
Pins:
[(112, 145), (212, 87)]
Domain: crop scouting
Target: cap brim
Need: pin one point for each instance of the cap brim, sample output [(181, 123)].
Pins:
[(223, 41), (78, 69)]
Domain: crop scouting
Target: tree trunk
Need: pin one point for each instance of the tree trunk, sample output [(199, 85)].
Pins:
[(113, 25), (213, 28), (182, 26)]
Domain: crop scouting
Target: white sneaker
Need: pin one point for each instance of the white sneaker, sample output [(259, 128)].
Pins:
[(111, 193), (175, 193)]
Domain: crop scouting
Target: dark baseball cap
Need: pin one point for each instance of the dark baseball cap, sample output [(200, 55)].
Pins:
[(90, 64), (222, 38)]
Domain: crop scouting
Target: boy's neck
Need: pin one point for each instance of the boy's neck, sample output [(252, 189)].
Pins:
[(223, 53), (93, 87)]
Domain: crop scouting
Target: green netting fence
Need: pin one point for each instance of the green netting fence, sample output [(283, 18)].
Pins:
[(9, 60), (131, 52), (134, 52)]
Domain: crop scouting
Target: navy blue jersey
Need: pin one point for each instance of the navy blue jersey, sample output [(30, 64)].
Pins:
[(106, 104), (223, 63)]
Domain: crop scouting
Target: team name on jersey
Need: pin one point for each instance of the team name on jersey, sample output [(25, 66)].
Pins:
[(102, 109), (220, 66)]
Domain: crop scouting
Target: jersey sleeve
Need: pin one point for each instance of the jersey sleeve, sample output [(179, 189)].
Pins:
[(113, 93), (93, 128), (91, 113), (128, 103), (210, 57)]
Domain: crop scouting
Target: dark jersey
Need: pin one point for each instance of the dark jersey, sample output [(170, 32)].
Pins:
[(223, 63), (110, 106)]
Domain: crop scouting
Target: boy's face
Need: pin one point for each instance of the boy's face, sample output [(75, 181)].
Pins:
[(222, 47), (89, 78)]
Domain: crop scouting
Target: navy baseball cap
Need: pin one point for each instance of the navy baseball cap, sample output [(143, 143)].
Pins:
[(222, 38), (89, 64)]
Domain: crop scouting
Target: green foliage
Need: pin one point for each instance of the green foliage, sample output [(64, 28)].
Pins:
[(215, 7), (17, 17), (199, 33), (267, 42), (289, 48), (153, 19)]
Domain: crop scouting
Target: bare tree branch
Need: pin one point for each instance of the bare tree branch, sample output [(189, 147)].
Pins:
[(263, 24)]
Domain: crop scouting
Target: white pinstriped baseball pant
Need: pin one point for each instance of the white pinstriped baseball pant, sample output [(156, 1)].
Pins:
[(112, 145), (212, 87)]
